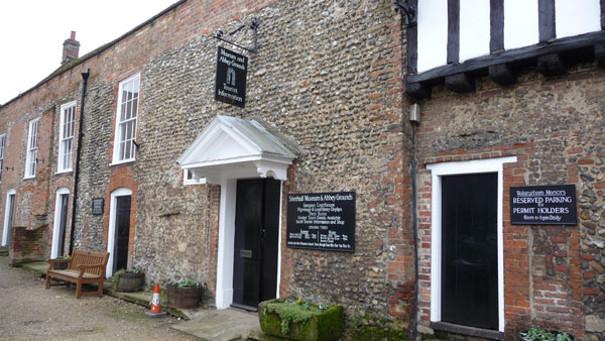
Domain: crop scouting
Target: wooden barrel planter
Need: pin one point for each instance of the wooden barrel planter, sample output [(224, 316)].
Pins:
[(130, 281), (183, 297)]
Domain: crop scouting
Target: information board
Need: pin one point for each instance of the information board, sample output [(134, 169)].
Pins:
[(543, 205), (322, 221)]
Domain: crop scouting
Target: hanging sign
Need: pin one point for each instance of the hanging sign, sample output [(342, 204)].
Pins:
[(97, 206), (322, 221), (231, 71), (543, 205)]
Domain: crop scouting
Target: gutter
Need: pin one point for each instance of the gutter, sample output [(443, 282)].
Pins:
[(85, 76)]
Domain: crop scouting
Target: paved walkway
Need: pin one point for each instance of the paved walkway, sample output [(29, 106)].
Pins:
[(222, 325), (29, 312)]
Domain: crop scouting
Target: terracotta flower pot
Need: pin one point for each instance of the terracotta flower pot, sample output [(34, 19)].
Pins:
[(187, 297)]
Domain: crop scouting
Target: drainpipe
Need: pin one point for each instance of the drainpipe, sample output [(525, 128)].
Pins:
[(415, 121), (77, 161)]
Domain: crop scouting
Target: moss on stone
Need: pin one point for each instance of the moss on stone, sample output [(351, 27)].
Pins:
[(372, 328), (298, 320)]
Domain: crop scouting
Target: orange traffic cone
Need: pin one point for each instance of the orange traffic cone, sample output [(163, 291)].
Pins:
[(154, 305)]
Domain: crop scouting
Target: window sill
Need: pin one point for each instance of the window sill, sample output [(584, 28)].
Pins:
[(64, 171), (123, 162), (29, 177)]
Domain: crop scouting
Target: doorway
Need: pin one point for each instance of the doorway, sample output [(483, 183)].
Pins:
[(441, 251), (9, 210), (61, 204), (469, 250), (255, 258), (119, 230)]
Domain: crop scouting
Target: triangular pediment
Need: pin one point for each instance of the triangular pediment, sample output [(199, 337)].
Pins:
[(230, 140)]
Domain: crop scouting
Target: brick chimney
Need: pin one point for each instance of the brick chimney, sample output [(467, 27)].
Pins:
[(71, 48)]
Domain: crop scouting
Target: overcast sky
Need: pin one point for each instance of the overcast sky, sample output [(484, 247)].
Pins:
[(32, 33)]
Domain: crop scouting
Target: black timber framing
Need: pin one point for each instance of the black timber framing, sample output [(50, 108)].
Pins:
[(453, 31), (602, 14), (569, 50), (496, 20), (546, 19), (412, 41)]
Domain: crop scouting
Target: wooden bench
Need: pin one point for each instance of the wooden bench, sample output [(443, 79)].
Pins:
[(83, 267)]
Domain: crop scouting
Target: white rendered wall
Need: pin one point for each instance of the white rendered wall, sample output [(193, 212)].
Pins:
[(573, 17), (474, 29), (521, 26), (432, 34)]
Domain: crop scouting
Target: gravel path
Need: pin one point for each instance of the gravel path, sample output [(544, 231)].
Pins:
[(29, 312)]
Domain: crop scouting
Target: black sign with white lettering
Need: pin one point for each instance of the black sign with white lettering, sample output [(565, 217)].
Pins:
[(97, 206), (322, 221), (231, 70), (543, 205)]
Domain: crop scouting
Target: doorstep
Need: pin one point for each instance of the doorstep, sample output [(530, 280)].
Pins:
[(222, 325), (38, 268), (3, 251)]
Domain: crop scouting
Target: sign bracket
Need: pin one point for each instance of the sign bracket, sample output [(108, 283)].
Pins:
[(253, 25)]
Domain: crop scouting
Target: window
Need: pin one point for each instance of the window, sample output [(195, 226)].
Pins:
[(66, 136), (2, 143), (188, 178), (126, 120), (31, 158)]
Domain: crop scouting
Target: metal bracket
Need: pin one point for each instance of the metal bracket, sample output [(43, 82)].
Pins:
[(253, 25), (407, 9)]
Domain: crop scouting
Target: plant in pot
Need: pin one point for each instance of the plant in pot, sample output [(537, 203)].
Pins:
[(129, 280), (296, 319), (541, 334), (185, 293)]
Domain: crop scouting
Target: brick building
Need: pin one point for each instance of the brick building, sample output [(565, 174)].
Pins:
[(129, 144)]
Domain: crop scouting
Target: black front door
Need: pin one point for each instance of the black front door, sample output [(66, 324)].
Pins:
[(256, 239), (62, 223), (469, 290), (122, 232)]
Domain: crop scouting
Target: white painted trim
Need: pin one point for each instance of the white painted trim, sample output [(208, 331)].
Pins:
[(281, 197), (54, 249), (60, 153), (29, 148), (6, 210), (111, 235), (192, 181), (116, 139), (226, 240), (456, 168)]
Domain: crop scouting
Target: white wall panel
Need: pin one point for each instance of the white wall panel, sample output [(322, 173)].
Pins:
[(521, 23), (573, 17), (432, 34), (474, 28)]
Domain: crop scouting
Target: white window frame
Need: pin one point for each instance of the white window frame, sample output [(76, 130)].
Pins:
[(31, 153), (2, 148), (63, 140), (116, 159), (188, 179), (439, 170)]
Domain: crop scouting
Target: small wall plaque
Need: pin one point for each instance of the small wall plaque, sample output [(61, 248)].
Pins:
[(98, 205)]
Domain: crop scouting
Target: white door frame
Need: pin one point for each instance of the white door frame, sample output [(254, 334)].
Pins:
[(226, 243), (6, 228), (54, 248), (111, 234), (458, 168)]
